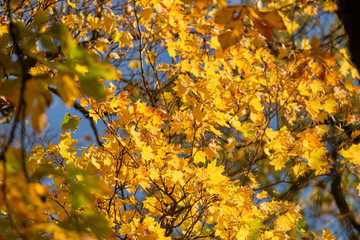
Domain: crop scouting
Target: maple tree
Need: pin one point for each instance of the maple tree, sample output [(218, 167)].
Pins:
[(217, 117)]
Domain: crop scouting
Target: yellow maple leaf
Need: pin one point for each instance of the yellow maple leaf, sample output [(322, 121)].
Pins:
[(330, 104), (200, 157), (291, 26), (215, 173), (94, 22), (255, 104), (146, 13), (314, 106), (109, 22), (147, 153), (3, 29), (318, 161), (330, 6), (257, 118), (317, 86), (102, 44), (94, 115), (327, 235), (310, 10), (283, 222), (231, 144), (262, 195), (198, 114), (82, 69), (345, 66), (134, 64), (300, 169), (358, 188), (67, 88), (65, 145), (254, 183), (177, 176), (305, 44), (352, 154), (150, 57), (287, 221), (96, 163), (38, 70), (212, 150), (71, 4), (278, 161), (123, 38), (163, 67)]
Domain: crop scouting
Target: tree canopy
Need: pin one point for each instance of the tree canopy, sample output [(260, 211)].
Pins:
[(212, 119)]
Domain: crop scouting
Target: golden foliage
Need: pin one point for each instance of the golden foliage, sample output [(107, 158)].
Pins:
[(205, 107)]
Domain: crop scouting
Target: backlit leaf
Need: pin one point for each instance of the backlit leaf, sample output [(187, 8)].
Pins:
[(70, 122)]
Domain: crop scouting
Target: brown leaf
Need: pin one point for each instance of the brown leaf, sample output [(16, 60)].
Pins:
[(273, 19), (226, 15), (266, 21), (230, 38)]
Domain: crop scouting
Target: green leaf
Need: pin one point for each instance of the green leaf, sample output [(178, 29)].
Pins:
[(49, 45), (40, 19), (5, 229), (14, 160), (27, 37), (97, 223), (80, 195), (83, 185), (92, 88), (44, 170), (10, 86), (58, 32), (255, 225), (102, 70), (70, 122)]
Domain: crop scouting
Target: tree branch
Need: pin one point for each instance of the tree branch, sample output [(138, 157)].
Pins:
[(85, 112), (341, 203)]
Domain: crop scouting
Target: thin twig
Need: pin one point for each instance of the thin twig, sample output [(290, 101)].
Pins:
[(86, 114)]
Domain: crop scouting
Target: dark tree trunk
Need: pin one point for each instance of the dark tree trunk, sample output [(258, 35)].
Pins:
[(349, 14)]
